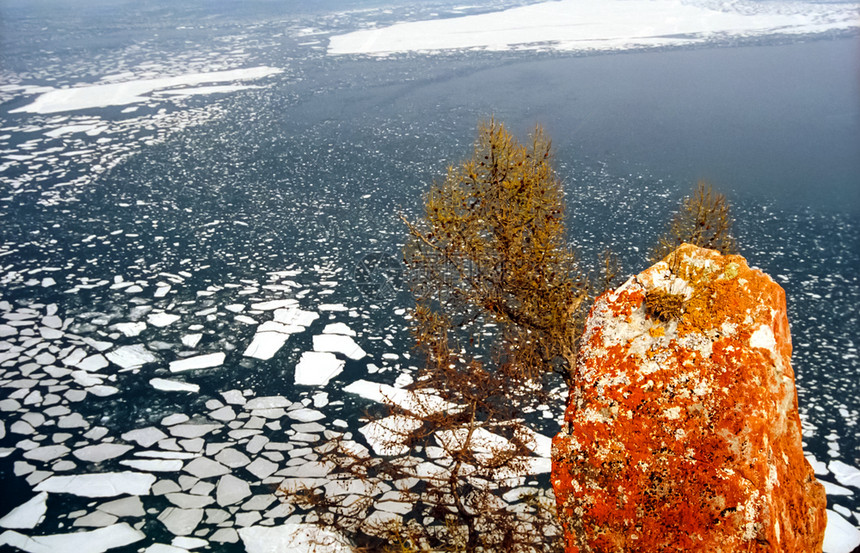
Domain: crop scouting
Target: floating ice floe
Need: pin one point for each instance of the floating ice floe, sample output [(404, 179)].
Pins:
[(131, 357), (338, 328), (92, 363), (207, 361), (266, 344), (295, 316), (595, 25), (296, 538), (267, 402), (274, 304), (231, 490), (834, 489), (173, 386), (840, 536), (845, 474), (27, 515), (101, 452), (105, 484), (422, 402), (272, 335), (153, 465), (124, 507), (185, 92), (144, 437), (191, 340), (95, 541), (205, 468), (130, 329), (131, 92), (316, 368), (386, 435), (162, 319), (482, 443), (336, 343), (181, 522)]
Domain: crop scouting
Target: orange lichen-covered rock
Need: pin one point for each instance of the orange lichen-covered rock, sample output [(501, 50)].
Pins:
[(682, 431)]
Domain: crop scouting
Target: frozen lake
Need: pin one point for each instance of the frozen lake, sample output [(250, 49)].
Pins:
[(199, 239)]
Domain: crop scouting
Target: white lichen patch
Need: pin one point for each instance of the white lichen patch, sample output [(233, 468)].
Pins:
[(728, 329), (673, 413), (697, 342), (763, 338)]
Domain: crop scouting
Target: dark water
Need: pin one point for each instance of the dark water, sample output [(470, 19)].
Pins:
[(308, 173)]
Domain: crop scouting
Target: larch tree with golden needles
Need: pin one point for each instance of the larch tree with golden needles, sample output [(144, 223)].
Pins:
[(492, 249), (703, 219), (498, 314)]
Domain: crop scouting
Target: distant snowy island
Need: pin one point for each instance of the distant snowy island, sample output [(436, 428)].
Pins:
[(598, 25)]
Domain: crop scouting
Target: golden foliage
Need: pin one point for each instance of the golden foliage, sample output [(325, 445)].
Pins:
[(492, 248)]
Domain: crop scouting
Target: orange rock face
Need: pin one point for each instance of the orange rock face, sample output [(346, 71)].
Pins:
[(682, 432)]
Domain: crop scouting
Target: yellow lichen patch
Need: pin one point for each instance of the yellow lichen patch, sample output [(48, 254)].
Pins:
[(657, 331)]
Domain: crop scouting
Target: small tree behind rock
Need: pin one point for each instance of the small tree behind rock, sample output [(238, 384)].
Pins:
[(703, 219)]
